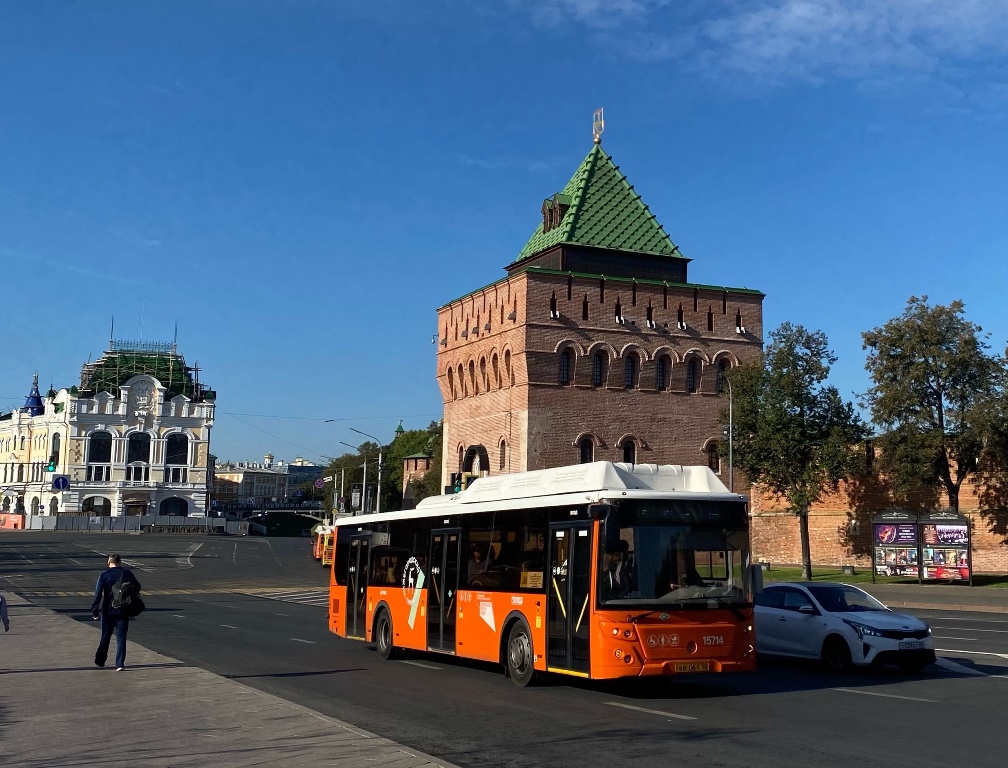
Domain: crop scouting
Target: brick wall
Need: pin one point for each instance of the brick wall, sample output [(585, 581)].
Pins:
[(541, 420), (840, 525)]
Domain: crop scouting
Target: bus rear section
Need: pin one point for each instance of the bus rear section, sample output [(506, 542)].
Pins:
[(639, 586)]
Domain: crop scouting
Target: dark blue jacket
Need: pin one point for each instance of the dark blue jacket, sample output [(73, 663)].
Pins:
[(103, 590)]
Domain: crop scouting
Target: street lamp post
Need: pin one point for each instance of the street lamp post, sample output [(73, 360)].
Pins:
[(364, 483), (378, 500)]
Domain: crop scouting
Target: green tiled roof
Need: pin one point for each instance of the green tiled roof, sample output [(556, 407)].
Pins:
[(604, 211)]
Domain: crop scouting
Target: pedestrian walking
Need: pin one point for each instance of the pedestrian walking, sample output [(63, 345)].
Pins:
[(113, 617), (3, 614)]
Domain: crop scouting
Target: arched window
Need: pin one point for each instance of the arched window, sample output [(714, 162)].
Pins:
[(99, 448), (566, 366), (714, 458), (508, 374), (53, 506), (461, 382), (629, 452), (55, 452), (587, 447), (598, 368), (663, 370), (177, 458), (710, 318), (483, 375), (472, 378), (138, 448), (495, 371), (584, 308), (503, 455), (631, 371), (722, 371), (451, 383), (692, 369), (461, 457)]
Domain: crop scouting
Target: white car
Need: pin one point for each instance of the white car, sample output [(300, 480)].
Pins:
[(839, 624)]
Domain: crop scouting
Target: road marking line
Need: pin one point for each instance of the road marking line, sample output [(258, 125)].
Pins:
[(178, 615), (967, 639), (228, 626), (972, 653), (885, 695), (975, 621), (299, 640), (970, 629), (185, 559), (649, 711), (419, 664), (954, 666)]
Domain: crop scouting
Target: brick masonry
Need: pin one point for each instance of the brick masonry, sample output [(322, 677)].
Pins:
[(840, 531), (498, 369)]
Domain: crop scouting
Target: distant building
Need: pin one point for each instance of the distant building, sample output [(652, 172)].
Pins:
[(249, 483), (414, 467), (132, 439), (302, 471)]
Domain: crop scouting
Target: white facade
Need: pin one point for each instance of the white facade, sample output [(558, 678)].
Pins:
[(128, 452)]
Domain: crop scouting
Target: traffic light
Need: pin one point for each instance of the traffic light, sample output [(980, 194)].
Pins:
[(456, 482), (51, 466)]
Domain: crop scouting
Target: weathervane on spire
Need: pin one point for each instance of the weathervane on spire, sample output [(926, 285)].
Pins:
[(598, 125)]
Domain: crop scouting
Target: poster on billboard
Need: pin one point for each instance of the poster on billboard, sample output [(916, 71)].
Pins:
[(945, 542)]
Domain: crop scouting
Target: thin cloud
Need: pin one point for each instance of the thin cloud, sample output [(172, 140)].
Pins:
[(802, 40), (501, 163)]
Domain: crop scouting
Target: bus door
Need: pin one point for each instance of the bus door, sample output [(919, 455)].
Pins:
[(567, 606), (441, 592), (356, 601)]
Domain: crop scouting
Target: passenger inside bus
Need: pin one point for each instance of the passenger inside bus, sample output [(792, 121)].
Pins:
[(616, 582), (477, 565)]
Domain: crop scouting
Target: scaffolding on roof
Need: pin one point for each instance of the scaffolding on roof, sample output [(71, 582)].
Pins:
[(125, 359)]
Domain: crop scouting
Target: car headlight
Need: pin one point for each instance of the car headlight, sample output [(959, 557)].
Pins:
[(863, 630), (928, 631)]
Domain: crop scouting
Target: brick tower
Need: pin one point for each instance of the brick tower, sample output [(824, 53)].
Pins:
[(594, 346)]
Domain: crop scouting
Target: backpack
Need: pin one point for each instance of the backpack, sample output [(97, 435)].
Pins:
[(124, 594)]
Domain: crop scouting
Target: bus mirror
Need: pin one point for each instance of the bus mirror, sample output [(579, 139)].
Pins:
[(756, 579), (599, 511)]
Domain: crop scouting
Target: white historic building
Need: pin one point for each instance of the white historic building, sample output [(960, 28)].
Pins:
[(133, 439)]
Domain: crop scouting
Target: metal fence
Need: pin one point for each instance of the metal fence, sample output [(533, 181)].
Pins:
[(136, 524)]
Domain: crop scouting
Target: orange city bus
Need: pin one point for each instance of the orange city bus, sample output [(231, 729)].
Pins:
[(597, 570)]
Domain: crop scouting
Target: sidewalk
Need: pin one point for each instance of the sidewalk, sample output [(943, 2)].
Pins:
[(940, 597), (57, 708)]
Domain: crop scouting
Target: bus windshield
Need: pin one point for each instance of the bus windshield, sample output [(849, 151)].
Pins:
[(674, 554)]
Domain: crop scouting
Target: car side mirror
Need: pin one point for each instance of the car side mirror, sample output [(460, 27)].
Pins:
[(808, 610)]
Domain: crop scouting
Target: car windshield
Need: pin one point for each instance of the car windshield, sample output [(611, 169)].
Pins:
[(844, 599), (690, 561)]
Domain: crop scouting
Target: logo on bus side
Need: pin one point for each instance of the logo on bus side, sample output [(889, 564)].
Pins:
[(412, 583)]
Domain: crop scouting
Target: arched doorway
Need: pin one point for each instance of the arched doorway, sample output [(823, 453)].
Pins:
[(97, 506), (174, 506), (53, 506), (476, 460)]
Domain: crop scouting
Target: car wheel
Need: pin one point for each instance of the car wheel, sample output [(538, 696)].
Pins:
[(836, 655), (520, 660), (383, 635)]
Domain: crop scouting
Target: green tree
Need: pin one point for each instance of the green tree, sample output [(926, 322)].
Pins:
[(793, 432), (935, 386)]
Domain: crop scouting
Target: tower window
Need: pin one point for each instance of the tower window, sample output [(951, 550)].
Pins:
[(566, 358), (691, 375), (598, 368), (587, 450), (629, 452)]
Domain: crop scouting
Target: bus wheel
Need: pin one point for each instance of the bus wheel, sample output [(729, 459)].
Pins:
[(519, 655), (383, 635)]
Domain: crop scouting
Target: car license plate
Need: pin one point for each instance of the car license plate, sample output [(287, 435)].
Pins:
[(911, 645), (695, 666)]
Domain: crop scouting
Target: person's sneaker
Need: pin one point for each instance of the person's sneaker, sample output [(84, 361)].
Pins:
[(120, 669), (99, 665)]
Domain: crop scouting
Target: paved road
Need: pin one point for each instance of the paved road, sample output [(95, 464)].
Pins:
[(251, 609)]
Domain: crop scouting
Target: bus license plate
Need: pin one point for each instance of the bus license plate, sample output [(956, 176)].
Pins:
[(695, 666), (911, 645)]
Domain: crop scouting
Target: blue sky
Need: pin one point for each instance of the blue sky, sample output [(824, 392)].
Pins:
[(301, 183)]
